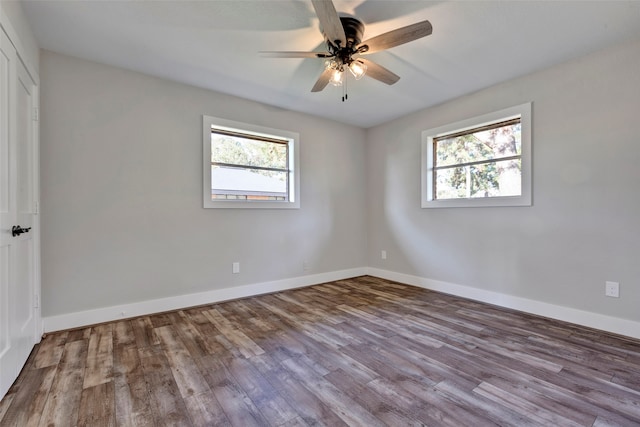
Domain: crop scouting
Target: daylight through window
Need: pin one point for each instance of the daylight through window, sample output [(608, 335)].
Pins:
[(482, 161), (249, 166), (479, 162)]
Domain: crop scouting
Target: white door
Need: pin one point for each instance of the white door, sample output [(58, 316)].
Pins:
[(19, 316)]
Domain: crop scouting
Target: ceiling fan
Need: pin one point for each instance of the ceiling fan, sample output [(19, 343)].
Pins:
[(343, 37)]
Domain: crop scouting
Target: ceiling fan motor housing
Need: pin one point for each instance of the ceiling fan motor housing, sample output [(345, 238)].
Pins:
[(353, 30)]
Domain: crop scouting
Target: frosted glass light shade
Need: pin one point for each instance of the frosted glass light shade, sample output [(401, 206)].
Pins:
[(358, 69), (336, 78)]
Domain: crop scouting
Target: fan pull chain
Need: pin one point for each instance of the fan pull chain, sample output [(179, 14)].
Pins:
[(344, 87), (345, 95)]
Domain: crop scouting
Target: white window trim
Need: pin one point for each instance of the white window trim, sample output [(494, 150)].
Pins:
[(428, 201), (294, 164)]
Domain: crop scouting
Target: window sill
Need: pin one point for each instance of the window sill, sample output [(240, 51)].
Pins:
[(480, 202)]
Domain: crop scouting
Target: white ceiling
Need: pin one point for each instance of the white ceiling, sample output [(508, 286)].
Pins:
[(214, 44)]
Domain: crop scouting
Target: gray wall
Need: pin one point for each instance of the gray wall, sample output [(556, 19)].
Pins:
[(584, 225), (122, 216)]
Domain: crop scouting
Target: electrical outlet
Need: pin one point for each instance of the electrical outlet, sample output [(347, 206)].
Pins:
[(305, 266), (236, 268), (612, 289), (383, 254)]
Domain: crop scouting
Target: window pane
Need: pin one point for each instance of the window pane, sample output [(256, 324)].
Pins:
[(245, 151), (248, 182), (492, 179), (451, 183), (488, 144), (509, 178)]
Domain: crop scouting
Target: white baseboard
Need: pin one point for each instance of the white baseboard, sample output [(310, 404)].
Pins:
[(616, 325), (99, 315), (107, 314)]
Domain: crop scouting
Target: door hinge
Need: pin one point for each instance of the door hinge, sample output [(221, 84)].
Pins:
[(36, 207), (36, 115), (36, 301)]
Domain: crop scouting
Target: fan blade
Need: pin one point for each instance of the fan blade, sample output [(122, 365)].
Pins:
[(397, 37), (322, 81), (294, 54), (378, 72), (330, 21)]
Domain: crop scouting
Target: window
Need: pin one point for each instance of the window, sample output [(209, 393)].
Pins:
[(247, 166), (483, 161)]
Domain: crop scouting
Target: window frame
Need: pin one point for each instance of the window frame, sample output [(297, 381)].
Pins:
[(261, 133), (428, 146)]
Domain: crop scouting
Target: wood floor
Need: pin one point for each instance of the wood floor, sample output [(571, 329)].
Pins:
[(360, 352)]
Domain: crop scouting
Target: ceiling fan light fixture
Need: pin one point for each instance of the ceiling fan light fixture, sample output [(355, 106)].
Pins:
[(337, 76), (332, 64), (358, 69)]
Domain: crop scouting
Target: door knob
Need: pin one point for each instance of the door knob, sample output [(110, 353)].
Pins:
[(16, 230)]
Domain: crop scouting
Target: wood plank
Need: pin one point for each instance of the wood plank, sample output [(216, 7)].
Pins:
[(332, 360), (123, 334), (99, 368), (97, 406), (49, 351), (32, 396), (364, 315), (346, 408), (132, 396), (63, 402), (6, 402), (237, 405), (245, 345), (209, 335), (510, 400), (273, 407), (166, 403), (204, 410), (185, 373), (432, 410), (525, 395), (385, 410), (78, 334), (190, 337), (461, 393), (311, 409), (143, 330)]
